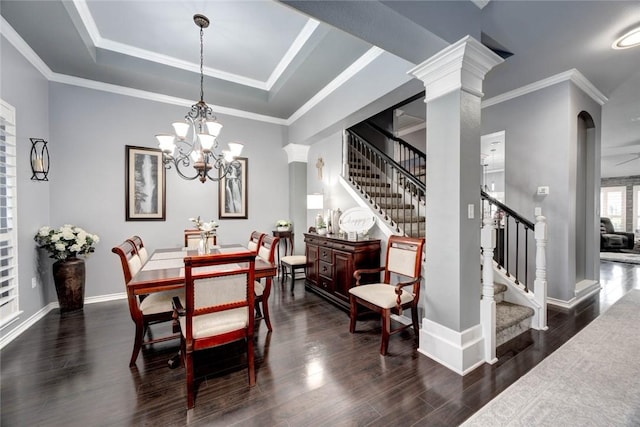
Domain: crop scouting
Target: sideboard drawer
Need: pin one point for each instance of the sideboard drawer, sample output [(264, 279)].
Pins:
[(326, 269), (325, 254)]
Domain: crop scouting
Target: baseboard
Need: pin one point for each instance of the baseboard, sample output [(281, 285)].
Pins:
[(573, 302), (105, 298), (18, 330), (461, 352), (15, 332)]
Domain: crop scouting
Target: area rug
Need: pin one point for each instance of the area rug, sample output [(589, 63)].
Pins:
[(629, 258), (592, 380)]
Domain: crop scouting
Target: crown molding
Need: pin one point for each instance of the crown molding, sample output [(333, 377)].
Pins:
[(572, 75), (342, 78), (24, 49), (297, 153), (461, 65), (294, 49)]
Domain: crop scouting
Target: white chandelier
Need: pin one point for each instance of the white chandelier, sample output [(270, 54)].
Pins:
[(195, 140)]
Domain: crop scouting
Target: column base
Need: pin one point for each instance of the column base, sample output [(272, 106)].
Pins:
[(461, 352)]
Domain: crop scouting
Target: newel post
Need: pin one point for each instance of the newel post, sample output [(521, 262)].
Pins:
[(488, 303), (540, 282)]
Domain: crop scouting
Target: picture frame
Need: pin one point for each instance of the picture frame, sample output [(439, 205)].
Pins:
[(145, 184), (232, 191)]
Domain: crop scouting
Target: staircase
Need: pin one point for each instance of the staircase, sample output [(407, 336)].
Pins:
[(511, 319), (391, 189)]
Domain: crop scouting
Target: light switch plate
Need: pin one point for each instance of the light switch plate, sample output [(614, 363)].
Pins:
[(543, 191)]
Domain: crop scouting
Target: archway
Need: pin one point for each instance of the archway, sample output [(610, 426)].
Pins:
[(585, 202)]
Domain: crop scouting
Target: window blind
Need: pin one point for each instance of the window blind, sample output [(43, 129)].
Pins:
[(9, 308)]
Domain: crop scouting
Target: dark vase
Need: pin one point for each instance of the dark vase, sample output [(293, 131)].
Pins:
[(68, 276)]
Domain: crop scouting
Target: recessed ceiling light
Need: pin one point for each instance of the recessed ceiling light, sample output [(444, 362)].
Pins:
[(631, 39)]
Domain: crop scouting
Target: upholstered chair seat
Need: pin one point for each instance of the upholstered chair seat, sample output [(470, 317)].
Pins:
[(266, 250), (289, 264), (157, 302), (259, 288), (217, 323), (382, 295)]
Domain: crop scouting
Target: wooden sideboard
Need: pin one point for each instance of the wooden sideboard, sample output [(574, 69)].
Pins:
[(332, 261)]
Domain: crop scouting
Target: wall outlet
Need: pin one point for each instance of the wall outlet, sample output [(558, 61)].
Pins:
[(34, 283), (470, 211)]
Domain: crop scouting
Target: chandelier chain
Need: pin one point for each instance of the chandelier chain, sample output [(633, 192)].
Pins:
[(201, 64)]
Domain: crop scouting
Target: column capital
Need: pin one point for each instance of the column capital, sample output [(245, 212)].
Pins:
[(296, 153), (461, 65)]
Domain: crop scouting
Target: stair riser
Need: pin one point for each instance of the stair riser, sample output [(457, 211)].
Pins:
[(512, 332)]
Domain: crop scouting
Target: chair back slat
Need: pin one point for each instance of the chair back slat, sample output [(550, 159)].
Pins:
[(129, 259), (268, 247), (140, 249), (404, 257), (255, 240)]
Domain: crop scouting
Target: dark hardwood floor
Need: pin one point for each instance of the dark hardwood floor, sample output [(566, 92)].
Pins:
[(73, 370)]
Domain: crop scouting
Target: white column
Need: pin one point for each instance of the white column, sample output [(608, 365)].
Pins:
[(297, 158), (451, 332)]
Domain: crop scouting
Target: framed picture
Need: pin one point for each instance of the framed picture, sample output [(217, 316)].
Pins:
[(232, 191), (145, 189)]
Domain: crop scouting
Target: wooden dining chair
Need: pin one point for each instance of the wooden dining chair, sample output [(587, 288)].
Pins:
[(266, 251), (147, 309), (404, 260), (192, 238), (219, 308), (254, 241), (140, 248), (289, 264)]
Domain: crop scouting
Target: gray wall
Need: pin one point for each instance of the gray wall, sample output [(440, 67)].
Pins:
[(541, 129), (27, 90), (335, 196), (87, 132), (91, 129)]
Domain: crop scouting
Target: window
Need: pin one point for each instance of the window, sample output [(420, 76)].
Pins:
[(9, 309), (613, 205), (636, 208)]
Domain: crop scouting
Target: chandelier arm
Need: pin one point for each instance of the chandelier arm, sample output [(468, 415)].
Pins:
[(181, 162), (218, 164)]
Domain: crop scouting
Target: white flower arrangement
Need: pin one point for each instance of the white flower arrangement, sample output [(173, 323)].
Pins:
[(65, 242), (207, 228), (283, 223)]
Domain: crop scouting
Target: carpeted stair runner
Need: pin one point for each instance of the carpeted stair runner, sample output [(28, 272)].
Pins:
[(511, 319)]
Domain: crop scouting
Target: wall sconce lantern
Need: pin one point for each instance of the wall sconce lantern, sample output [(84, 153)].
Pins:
[(39, 159)]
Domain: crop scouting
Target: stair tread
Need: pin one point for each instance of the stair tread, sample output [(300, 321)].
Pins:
[(509, 314), (499, 288)]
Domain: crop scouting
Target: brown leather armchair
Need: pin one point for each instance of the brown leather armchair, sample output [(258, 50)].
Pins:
[(611, 240)]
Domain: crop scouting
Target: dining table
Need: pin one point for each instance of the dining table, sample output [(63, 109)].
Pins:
[(164, 270)]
